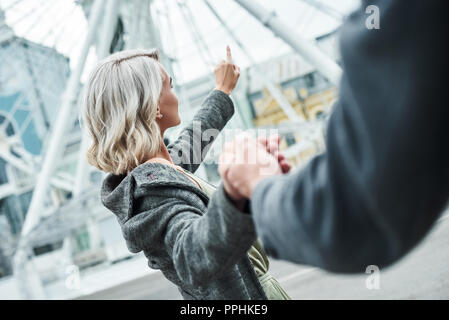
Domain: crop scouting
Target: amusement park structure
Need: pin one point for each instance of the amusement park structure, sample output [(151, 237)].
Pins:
[(50, 193)]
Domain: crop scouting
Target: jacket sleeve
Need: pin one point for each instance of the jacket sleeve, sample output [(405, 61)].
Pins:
[(201, 247), (194, 141), (384, 178)]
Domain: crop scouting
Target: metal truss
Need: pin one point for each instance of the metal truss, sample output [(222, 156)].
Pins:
[(46, 223)]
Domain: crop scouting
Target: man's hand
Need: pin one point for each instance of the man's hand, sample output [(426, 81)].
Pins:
[(226, 74), (245, 161)]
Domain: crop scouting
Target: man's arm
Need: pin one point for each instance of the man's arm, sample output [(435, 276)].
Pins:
[(384, 178)]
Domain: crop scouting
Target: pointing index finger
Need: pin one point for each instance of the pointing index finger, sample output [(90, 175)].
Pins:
[(228, 55)]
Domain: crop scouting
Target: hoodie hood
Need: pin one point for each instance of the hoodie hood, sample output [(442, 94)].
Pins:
[(119, 192)]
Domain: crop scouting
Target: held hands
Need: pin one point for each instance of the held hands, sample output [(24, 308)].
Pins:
[(271, 144), (226, 74), (245, 161)]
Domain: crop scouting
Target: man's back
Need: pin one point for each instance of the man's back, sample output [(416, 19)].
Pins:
[(384, 178)]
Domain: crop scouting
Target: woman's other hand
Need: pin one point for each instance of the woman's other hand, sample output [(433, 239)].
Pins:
[(272, 145), (243, 163), (226, 74)]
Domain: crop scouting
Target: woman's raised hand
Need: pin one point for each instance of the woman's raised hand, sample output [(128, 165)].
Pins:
[(226, 74)]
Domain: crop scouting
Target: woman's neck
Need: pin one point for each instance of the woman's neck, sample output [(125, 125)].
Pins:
[(162, 154)]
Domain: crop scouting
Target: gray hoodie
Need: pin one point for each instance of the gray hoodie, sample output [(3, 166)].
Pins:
[(199, 244)]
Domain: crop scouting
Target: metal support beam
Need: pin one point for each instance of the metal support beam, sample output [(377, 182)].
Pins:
[(274, 91), (12, 5), (60, 125), (107, 34), (200, 43), (325, 9), (135, 36), (171, 35), (6, 33), (22, 271), (325, 65), (28, 168), (152, 22)]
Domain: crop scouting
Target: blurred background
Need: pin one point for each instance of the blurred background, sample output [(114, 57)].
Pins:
[(56, 239)]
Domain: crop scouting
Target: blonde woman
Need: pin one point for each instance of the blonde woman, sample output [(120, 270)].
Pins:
[(193, 232)]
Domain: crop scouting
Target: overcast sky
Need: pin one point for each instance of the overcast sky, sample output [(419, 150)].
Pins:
[(61, 24)]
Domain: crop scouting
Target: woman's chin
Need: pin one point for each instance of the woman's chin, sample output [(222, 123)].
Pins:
[(174, 123)]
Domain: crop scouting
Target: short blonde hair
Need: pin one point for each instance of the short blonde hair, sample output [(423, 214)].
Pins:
[(120, 104)]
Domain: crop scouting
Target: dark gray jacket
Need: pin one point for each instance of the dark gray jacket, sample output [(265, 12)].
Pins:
[(199, 244), (384, 179)]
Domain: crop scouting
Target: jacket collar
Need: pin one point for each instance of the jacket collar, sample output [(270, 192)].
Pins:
[(118, 192)]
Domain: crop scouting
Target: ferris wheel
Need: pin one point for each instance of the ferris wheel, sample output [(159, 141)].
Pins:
[(48, 46)]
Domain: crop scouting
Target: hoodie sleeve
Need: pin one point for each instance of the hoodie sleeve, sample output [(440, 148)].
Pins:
[(194, 141), (200, 246)]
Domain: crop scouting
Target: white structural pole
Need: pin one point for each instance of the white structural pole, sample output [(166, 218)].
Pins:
[(60, 125), (110, 22), (24, 273), (274, 91), (325, 65), (325, 9), (107, 34), (135, 36), (172, 38)]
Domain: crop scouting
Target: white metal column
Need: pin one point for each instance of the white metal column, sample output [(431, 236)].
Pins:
[(107, 34), (61, 123), (325, 65), (331, 12), (22, 272), (275, 92)]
